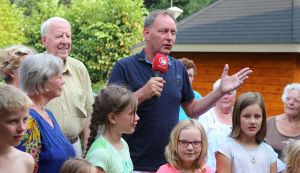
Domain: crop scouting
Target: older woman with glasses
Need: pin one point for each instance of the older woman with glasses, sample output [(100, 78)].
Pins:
[(187, 149), (10, 59), (41, 78)]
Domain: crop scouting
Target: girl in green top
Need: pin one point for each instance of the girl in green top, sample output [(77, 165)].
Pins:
[(114, 111)]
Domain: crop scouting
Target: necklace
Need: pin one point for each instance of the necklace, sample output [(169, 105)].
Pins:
[(253, 160)]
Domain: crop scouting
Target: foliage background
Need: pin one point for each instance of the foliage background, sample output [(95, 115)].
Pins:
[(105, 34), (103, 31), (11, 24)]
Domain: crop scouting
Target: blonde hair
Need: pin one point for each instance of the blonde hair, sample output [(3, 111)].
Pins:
[(12, 100), (293, 157), (77, 165), (10, 59), (171, 151)]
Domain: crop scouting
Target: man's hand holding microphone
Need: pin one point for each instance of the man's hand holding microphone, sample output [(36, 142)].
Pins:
[(154, 86)]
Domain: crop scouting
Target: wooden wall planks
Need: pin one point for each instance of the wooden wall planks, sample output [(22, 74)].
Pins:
[(271, 73)]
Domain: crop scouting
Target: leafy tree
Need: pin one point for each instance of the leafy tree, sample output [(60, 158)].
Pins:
[(41, 11), (27, 5), (34, 5), (104, 31), (11, 19)]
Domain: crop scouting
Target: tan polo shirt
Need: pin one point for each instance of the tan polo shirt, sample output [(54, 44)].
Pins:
[(74, 106)]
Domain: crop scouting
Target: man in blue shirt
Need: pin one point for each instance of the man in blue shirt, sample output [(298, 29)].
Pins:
[(160, 97)]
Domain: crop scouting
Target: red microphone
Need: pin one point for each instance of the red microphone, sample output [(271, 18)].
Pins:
[(160, 64)]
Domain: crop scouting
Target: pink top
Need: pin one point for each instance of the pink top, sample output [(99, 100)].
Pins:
[(167, 168)]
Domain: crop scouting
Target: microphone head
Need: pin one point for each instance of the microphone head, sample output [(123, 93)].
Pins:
[(160, 63)]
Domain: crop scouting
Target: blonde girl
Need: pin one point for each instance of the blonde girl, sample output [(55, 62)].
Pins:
[(187, 149)]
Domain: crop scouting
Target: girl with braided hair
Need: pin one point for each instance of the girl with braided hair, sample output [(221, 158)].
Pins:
[(114, 110)]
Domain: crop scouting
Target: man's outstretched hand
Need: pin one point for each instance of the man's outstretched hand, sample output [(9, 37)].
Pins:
[(230, 83)]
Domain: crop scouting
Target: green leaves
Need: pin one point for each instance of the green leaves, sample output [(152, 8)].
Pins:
[(41, 11), (11, 24), (103, 31)]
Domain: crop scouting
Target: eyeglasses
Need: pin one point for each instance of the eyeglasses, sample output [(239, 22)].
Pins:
[(185, 143)]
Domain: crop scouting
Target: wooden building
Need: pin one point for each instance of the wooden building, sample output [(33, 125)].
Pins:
[(261, 34)]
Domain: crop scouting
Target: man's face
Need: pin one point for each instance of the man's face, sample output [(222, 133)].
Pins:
[(161, 36), (58, 39)]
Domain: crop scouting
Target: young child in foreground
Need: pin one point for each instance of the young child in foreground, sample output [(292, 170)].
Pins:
[(78, 165), (187, 149), (293, 157), (115, 108), (245, 151), (14, 106)]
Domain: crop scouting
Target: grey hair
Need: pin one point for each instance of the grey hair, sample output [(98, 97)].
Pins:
[(46, 24), (217, 84), (152, 16), (35, 71), (288, 88)]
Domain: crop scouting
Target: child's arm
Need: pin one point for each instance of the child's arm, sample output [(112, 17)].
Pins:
[(273, 167), (223, 163), (29, 163)]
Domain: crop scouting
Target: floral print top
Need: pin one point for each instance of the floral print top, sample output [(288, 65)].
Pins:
[(46, 143), (32, 141)]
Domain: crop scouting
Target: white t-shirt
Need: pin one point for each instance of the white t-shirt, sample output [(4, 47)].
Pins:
[(242, 157)]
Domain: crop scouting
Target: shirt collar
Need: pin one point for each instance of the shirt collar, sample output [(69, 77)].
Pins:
[(66, 67), (142, 57)]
